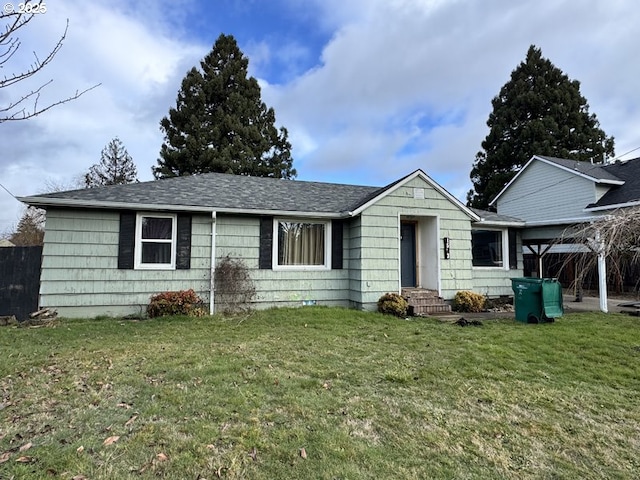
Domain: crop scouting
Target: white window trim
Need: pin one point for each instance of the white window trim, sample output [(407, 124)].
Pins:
[(327, 245), (138, 265), (505, 250)]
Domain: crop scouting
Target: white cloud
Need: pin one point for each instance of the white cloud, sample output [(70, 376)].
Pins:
[(388, 61), (139, 72)]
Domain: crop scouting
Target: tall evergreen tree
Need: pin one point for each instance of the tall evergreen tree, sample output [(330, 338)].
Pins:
[(220, 123), (115, 167), (539, 111)]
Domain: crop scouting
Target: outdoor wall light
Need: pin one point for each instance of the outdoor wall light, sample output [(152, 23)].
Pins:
[(447, 248)]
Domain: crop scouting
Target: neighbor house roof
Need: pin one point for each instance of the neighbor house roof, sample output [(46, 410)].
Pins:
[(231, 193), (488, 218), (625, 195), (623, 178), (594, 171)]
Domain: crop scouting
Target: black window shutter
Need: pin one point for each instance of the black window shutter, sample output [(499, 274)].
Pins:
[(183, 245), (266, 243), (127, 240), (513, 249), (337, 227)]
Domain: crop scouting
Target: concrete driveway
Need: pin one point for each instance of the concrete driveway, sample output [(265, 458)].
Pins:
[(592, 304)]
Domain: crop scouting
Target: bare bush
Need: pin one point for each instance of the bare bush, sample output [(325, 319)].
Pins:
[(617, 237), (234, 288)]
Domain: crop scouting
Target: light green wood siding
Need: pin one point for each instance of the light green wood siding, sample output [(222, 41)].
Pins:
[(239, 238), (80, 275), (494, 282), (378, 239)]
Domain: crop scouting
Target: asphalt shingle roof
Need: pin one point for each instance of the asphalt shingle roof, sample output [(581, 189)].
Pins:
[(225, 192), (628, 171), (595, 171), (493, 217)]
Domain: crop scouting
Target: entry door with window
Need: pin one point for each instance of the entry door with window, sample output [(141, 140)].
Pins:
[(408, 254)]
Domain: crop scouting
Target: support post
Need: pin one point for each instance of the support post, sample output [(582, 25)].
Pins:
[(602, 274)]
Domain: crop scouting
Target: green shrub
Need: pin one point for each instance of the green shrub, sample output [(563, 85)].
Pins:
[(466, 301), (393, 304), (182, 302)]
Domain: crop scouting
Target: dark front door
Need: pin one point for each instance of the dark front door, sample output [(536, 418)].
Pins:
[(408, 254)]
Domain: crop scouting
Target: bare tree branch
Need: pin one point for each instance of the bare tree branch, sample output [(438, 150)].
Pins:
[(617, 237), (9, 45)]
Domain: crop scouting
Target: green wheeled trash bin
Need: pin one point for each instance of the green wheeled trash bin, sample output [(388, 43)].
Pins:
[(537, 299)]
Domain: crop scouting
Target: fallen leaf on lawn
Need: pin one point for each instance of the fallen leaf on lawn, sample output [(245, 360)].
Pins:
[(124, 405), (80, 449), (26, 447), (79, 477), (5, 456), (111, 440), (162, 457), (25, 459), (303, 453), (211, 446), (131, 420), (254, 454)]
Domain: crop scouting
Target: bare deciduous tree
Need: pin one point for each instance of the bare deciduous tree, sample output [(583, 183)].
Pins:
[(617, 237), (26, 104)]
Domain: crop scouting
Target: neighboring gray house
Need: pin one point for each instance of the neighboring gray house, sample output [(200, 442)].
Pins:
[(551, 194), (108, 249)]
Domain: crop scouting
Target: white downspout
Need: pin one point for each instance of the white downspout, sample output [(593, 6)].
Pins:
[(213, 264)]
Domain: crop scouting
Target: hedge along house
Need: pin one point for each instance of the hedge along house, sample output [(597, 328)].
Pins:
[(108, 249)]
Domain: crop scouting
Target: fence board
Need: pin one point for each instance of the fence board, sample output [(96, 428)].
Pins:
[(19, 280)]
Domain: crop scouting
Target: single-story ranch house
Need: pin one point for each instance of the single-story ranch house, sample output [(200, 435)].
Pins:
[(108, 249)]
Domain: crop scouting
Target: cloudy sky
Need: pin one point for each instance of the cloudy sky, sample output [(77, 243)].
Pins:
[(369, 90)]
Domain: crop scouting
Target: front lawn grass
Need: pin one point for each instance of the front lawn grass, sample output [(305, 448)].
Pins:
[(320, 393)]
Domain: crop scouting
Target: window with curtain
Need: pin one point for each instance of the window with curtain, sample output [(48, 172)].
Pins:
[(301, 244), (155, 241), (486, 247)]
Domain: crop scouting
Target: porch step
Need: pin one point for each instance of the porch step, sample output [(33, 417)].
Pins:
[(425, 302)]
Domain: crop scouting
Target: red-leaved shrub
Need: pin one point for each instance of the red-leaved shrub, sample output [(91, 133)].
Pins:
[(182, 302)]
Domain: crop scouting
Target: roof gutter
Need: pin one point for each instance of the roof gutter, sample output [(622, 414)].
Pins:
[(563, 221), (613, 206), (489, 223)]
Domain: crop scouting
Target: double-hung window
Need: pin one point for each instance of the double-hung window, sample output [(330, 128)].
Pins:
[(301, 244), (155, 241), (488, 248)]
